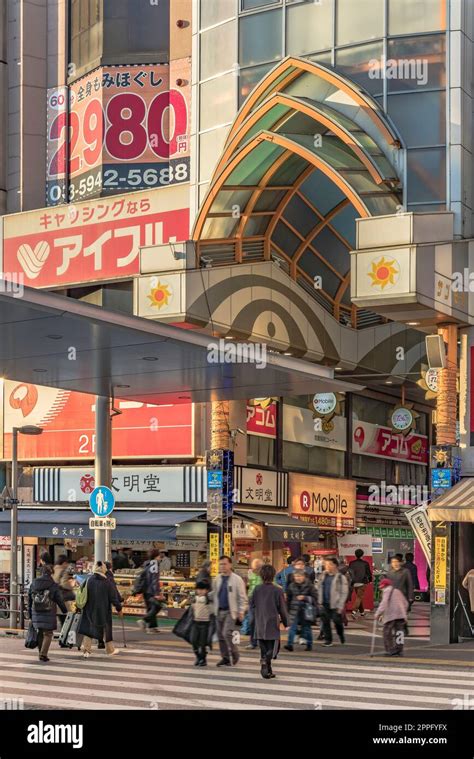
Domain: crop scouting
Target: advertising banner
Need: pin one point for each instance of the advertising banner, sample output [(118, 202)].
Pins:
[(327, 502), (372, 440), (347, 546), (298, 427), (421, 526), (68, 421), (129, 129), (262, 421), (92, 241), (261, 487), (440, 570)]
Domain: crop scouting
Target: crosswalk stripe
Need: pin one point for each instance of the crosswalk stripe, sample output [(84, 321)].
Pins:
[(273, 689), (319, 677)]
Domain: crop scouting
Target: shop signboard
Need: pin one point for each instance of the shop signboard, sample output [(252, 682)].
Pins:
[(242, 529), (421, 526), (214, 480), (377, 545), (262, 421), (261, 487), (381, 442), (129, 128), (134, 484), (440, 569), (441, 479), (95, 240), (214, 553), (142, 430), (102, 523), (329, 503), (28, 564), (299, 427)]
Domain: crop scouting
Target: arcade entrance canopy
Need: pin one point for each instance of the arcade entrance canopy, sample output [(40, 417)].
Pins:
[(308, 153)]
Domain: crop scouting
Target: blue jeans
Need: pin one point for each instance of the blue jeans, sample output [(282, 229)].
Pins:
[(306, 632)]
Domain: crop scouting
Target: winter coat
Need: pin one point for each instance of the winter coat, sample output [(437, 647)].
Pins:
[(413, 569), (96, 617), (282, 576), (110, 577), (237, 596), (393, 605), (309, 572), (295, 589), (254, 581), (62, 576), (120, 561), (339, 591), (149, 580), (360, 572), (468, 583), (45, 620), (204, 575), (401, 579), (268, 607)]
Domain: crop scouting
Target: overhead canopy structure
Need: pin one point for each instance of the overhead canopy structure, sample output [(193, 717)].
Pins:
[(55, 341), (456, 505), (308, 153), (281, 527)]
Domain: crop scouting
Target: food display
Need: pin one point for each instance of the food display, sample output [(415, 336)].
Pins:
[(176, 591)]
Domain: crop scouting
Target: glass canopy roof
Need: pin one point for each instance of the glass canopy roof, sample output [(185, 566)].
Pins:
[(308, 153)]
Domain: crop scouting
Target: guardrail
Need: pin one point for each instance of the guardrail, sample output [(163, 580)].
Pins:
[(21, 614)]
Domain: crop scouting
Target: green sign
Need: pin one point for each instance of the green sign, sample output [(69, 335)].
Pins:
[(383, 532), (390, 532), (397, 532)]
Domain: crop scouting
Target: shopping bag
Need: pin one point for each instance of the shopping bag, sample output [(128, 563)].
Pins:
[(31, 640), (183, 626)]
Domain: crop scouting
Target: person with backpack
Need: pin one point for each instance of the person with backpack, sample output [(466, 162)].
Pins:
[(63, 575), (393, 609), (302, 606), (332, 592), (96, 599), (268, 607), (148, 584), (44, 595), (360, 575)]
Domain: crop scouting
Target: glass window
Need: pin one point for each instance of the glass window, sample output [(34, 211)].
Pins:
[(411, 16), (370, 410), (260, 451), (218, 101), (137, 27), (358, 63), (86, 33), (248, 5), (215, 11), (260, 37), (218, 50), (210, 148), (361, 20), (313, 459), (420, 117), (426, 175), (249, 78), (309, 27), (419, 62)]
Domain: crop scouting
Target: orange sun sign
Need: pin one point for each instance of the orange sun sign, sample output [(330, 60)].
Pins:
[(160, 295), (384, 272)]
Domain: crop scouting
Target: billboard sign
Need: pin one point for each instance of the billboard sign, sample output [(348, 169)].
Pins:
[(94, 241), (327, 502), (262, 421), (372, 440), (129, 129), (68, 420)]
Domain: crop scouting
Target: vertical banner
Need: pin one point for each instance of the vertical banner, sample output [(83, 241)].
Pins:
[(227, 543), (213, 539), (440, 569), (57, 120), (421, 526)]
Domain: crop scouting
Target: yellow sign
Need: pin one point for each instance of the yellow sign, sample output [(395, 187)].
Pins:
[(227, 543), (328, 502), (214, 553), (440, 562)]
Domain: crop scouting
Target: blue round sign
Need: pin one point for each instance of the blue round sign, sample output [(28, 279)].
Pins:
[(102, 501)]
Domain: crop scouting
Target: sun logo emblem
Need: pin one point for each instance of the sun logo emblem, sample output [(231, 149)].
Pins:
[(384, 272), (160, 295)]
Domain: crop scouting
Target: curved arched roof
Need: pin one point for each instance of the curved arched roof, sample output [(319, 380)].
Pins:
[(308, 153)]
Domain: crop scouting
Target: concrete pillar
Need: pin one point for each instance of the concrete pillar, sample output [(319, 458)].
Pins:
[(446, 406), (103, 467)]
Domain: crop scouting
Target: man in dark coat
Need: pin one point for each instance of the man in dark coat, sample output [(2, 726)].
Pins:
[(360, 576), (268, 608), (413, 569), (149, 584), (43, 596), (300, 592), (401, 578), (96, 617)]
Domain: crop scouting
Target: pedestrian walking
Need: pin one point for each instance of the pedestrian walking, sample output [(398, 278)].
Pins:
[(63, 575), (268, 608), (255, 579), (393, 609), (282, 576), (203, 624), (401, 579), (344, 570), (302, 607), (44, 595), (413, 569), (361, 576), (148, 584), (96, 617), (308, 568), (230, 605), (332, 592)]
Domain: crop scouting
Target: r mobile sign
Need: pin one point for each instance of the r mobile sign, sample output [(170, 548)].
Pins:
[(329, 503)]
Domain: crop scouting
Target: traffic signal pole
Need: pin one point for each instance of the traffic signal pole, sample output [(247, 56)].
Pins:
[(103, 468)]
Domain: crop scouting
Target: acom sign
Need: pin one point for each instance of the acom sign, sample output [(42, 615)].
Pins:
[(323, 501)]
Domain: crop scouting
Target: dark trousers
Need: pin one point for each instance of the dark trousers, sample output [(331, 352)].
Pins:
[(330, 615), (199, 638), (152, 608), (44, 641), (267, 649), (393, 636)]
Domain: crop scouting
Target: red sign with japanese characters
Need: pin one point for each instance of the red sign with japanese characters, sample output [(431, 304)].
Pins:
[(262, 421), (372, 440), (67, 419), (95, 240)]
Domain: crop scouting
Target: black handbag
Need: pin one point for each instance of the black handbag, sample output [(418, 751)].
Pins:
[(31, 640), (309, 612), (183, 626)]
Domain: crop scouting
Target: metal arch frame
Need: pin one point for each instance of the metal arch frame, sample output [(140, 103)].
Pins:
[(296, 67), (309, 110), (324, 221)]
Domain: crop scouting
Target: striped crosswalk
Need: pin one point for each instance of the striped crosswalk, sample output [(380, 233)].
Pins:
[(164, 678)]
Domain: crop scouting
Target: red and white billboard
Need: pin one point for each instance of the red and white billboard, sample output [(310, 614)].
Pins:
[(262, 421), (67, 419), (372, 440), (91, 241), (129, 129)]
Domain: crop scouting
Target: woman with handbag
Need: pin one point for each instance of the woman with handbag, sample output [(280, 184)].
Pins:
[(302, 605), (268, 609), (43, 596)]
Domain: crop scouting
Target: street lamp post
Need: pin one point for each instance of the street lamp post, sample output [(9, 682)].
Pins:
[(28, 429)]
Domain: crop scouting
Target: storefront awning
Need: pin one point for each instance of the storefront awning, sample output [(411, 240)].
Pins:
[(74, 523), (457, 505), (281, 527)]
